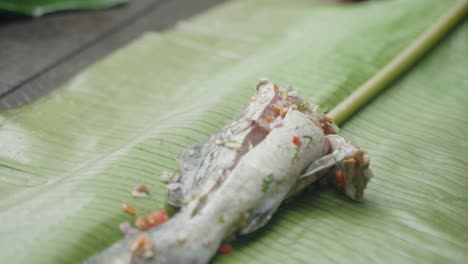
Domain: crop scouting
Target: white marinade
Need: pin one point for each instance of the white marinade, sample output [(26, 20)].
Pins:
[(233, 182)]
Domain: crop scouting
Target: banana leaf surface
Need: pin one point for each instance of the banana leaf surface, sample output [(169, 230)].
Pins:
[(69, 160), (38, 8)]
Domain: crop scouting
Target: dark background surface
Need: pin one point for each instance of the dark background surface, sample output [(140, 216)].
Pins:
[(38, 55)]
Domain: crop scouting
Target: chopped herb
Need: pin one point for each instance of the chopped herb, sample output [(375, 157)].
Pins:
[(310, 138), (171, 210), (303, 107), (267, 181), (221, 219), (334, 158), (323, 109), (296, 155), (201, 203)]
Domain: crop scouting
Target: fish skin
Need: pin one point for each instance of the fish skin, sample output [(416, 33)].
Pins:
[(197, 168), (222, 191)]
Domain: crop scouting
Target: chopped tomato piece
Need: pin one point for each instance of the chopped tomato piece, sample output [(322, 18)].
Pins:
[(340, 180), (276, 87), (326, 129), (140, 223), (296, 140), (225, 249), (154, 219)]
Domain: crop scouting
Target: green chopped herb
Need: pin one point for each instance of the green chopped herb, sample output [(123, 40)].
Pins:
[(221, 219), (310, 139), (267, 181), (171, 210), (323, 109), (303, 107), (185, 201), (201, 203), (296, 155), (181, 239)]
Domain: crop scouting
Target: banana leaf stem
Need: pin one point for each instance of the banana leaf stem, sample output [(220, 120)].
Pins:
[(401, 63)]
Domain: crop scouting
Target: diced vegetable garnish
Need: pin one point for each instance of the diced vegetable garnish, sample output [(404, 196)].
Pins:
[(140, 223), (296, 140), (142, 246), (267, 181), (151, 220), (156, 218), (142, 188), (225, 249), (340, 180), (270, 119), (127, 208), (141, 191)]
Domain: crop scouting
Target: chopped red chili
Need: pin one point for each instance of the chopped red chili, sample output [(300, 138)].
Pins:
[(156, 218), (340, 180), (151, 220), (296, 140), (225, 249)]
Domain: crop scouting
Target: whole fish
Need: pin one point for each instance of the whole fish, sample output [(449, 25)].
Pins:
[(234, 181)]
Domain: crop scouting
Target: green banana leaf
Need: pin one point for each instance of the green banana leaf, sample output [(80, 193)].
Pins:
[(38, 8), (69, 160)]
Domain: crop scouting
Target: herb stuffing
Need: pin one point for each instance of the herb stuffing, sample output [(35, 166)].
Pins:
[(267, 181)]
